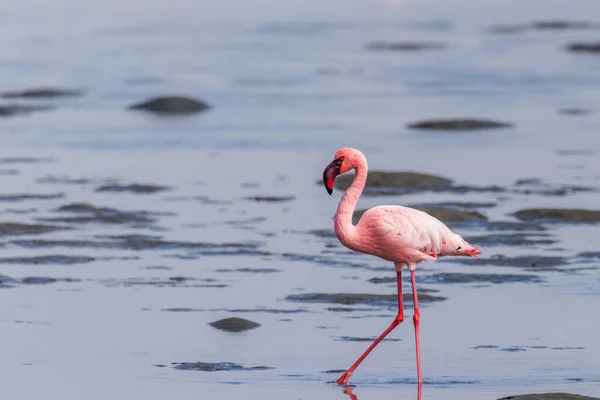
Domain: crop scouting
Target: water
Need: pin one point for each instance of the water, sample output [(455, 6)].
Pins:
[(290, 83)]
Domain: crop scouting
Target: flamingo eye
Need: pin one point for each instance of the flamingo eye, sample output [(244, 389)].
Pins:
[(342, 158), (459, 247)]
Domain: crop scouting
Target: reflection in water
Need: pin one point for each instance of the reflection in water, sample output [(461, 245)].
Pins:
[(349, 391)]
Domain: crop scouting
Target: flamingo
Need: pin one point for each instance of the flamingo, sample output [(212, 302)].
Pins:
[(402, 235)]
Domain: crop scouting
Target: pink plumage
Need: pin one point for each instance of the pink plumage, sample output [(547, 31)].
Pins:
[(402, 235)]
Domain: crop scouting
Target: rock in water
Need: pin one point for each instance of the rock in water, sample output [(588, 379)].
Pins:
[(8, 110), (459, 124), (234, 324), (42, 93), (172, 105), (559, 215), (593, 48)]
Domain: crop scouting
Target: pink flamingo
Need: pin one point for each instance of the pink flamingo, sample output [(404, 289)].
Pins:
[(402, 235)]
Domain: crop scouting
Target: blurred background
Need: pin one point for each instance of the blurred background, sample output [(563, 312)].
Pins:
[(161, 162)]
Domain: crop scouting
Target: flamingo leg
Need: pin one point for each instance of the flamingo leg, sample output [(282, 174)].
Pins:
[(342, 380), (416, 320)]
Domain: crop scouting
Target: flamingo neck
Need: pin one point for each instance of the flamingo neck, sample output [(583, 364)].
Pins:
[(345, 231)]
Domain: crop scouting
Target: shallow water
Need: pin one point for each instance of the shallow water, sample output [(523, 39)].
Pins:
[(242, 223)]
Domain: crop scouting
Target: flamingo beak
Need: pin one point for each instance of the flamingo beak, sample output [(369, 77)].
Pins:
[(332, 170)]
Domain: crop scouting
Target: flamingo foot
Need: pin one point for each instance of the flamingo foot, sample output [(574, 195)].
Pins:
[(342, 380)]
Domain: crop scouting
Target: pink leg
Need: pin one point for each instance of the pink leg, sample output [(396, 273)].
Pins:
[(342, 380), (416, 319)]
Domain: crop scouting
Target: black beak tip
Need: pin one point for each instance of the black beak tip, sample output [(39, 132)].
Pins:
[(330, 191)]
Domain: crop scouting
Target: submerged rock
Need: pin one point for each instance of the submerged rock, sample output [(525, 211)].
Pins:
[(389, 182), (574, 111), (549, 25), (9, 110), (363, 298), (456, 277), (270, 199), (459, 124), (564, 25), (558, 215), (221, 366), (86, 213), (549, 396), (234, 324), (404, 46), (529, 263), (42, 93), (593, 48), (171, 105), (132, 188), (17, 229)]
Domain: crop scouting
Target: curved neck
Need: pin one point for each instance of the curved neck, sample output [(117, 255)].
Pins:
[(345, 231)]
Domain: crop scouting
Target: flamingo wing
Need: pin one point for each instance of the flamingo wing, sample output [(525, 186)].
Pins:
[(412, 230)]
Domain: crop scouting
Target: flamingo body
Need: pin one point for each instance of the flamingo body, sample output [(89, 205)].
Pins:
[(405, 235), (402, 235)]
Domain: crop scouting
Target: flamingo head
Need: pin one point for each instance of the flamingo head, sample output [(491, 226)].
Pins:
[(342, 162)]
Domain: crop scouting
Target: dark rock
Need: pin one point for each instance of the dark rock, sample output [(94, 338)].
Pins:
[(404, 46), (42, 93), (44, 280), (559, 215), (593, 48), (18, 229), (270, 199), (388, 182), (137, 188), (549, 396), (210, 367), (9, 110), (234, 324), (464, 124), (89, 213), (513, 349), (173, 105), (385, 300)]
